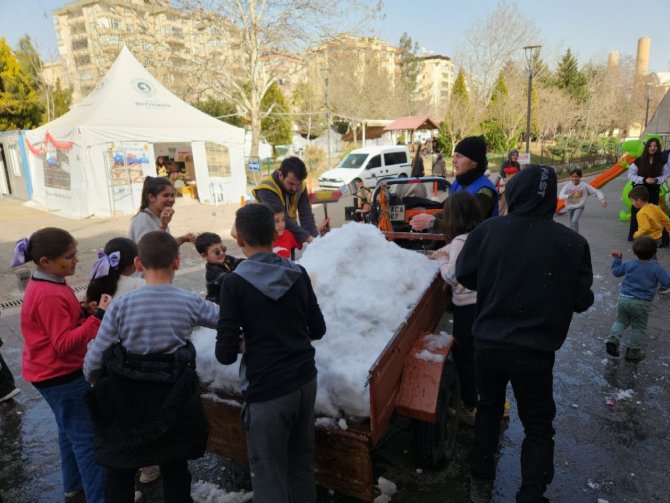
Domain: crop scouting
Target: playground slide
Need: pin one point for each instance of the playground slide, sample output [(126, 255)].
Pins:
[(605, 177)]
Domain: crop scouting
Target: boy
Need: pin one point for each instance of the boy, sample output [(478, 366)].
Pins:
[(277, 372), (145, 405), (641, 279), (210, 247), (285, 242), (650, 218), (530, 274)]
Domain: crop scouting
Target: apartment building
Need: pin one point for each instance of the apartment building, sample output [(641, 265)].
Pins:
[(177, 48), (434, 83)]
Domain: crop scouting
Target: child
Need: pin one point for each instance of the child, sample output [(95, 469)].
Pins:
[(210, 247), (574, 193), (641, 279), (278, 363), (156, 210), (145, 404), (113, 272), (56, 335), (461, 214), (650, 218), (285, 242)]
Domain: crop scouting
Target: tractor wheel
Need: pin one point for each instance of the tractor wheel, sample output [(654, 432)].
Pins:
[(434, 442)]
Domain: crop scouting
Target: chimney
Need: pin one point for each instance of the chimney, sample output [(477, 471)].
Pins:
[(642, 60), (613, 60)]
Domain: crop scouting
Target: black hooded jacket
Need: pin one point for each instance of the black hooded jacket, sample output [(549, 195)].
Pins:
[(530, 273)]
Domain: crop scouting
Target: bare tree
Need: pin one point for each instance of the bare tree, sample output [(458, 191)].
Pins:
[(557, 111), (262, 38), (492, 41)]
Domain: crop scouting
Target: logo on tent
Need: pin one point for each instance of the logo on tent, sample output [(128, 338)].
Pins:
[(143, 87)]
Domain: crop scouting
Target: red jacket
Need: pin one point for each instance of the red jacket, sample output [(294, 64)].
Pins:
[(55, 331)]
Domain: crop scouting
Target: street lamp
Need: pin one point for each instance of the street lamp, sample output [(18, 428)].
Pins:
[(531, 52), (646, 112)]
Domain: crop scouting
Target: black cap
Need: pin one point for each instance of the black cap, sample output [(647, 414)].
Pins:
[(473, 147)]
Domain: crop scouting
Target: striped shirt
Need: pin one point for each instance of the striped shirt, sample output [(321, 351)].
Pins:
[(154, 319)]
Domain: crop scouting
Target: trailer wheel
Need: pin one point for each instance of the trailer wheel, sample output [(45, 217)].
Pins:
[(434, 442)]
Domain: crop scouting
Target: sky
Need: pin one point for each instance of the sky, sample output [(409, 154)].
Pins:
[(591, 28)]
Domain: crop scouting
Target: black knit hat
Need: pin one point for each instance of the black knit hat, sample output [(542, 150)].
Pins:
[(473, 147)]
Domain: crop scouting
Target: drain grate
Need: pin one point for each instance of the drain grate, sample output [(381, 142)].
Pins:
[(17, 302)]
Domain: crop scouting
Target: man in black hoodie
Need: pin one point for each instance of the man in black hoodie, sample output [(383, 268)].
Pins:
[(530, 274), (271, 301)]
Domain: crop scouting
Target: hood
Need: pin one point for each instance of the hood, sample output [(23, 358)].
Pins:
[(344, 174), (269, 273), (532, 192)]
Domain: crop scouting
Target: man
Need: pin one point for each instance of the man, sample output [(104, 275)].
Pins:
[(286, 189), (530, 274)]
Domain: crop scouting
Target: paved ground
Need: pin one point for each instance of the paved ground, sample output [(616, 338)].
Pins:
[(618, 453)]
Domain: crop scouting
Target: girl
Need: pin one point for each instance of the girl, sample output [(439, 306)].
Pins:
[(156, 210), (574, 193), (460, 216), (113, 271), (650, 171), (56, 335)]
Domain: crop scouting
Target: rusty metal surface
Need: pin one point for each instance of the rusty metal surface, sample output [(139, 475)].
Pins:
[(420, 384), (386, 373), (343, 459), (414, 236)]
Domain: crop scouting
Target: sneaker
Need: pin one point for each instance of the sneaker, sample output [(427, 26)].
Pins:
[(612, 348), (468, 415), (149, 473), (634, 354), (138, 496), (10, 395), (481, 490), (75, 497), (663, 291)]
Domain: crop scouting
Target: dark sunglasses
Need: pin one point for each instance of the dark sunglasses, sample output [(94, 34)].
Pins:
[(220, 251)]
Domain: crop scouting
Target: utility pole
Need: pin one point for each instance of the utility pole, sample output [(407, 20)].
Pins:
[(531, 53), (330, 164)]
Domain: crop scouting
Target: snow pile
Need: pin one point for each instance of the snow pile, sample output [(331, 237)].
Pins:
[(387, 489), (366, 286), (205, 492)]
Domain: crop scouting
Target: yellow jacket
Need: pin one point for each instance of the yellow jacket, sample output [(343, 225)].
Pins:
[(650, 222)]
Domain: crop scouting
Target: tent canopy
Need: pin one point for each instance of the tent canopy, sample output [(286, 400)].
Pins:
[(413, 123)]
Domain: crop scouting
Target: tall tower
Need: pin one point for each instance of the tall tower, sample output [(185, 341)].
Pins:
[(642, 59), (613, 59)]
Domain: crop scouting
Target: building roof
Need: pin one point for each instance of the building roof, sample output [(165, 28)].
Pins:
[(413, 123)]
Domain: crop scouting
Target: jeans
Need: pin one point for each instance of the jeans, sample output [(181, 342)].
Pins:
[(573, 216), (531, 375), (280, 443), (75, 438), (633, 312), (176, 484), (464, 352)]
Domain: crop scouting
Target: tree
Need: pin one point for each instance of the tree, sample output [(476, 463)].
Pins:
[(260, 38), (276, 125), (410, 67), (569, 78), (462, 116), (19, 105), (491, 42), (309, 112), (223, 110), (54, 100)]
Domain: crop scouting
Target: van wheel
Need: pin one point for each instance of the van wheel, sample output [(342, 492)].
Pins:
[(434, 442), (402, 175)]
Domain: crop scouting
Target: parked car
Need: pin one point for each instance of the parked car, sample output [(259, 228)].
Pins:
[(369, 164)]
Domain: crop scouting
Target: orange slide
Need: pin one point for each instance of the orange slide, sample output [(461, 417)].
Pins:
[(606, 176)]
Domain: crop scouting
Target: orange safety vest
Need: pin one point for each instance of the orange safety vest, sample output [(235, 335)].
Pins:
[(290, 201)]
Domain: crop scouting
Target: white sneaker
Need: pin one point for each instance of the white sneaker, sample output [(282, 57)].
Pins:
[(10, 395), (663, 291)]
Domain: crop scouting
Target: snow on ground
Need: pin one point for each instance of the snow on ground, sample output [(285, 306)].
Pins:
[(366, 286), (206, 492)]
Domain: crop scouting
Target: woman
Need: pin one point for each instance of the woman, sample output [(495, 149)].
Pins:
[(511, 165), (650, 171), (439, 168)]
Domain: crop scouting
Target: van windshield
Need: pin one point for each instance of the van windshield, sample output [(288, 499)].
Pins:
[(353, 161)]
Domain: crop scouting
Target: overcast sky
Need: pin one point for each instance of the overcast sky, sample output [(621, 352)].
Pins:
[(591, 28)]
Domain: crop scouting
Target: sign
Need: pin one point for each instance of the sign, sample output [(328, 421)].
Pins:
[(524, 158), (254, 165)]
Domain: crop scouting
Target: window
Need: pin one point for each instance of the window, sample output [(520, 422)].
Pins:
[(16, 164), (79, 44), (391, 158), (375, 162), (55, 176), (218, 160), (83, 60)]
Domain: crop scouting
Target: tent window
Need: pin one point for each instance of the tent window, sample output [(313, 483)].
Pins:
[(218, 160), (54, 175)]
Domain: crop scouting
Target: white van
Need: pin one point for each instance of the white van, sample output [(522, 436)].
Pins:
[(369, 164)]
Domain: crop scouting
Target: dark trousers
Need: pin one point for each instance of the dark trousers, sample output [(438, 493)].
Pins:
[(7, 384), (176, 484), (531, 375), (654, 198), (464, 352)]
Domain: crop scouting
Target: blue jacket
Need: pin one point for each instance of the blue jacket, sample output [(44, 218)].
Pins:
[(641, 277), (476, 186)]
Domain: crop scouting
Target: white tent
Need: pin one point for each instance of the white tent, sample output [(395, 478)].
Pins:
[(91, 161)]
